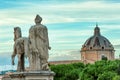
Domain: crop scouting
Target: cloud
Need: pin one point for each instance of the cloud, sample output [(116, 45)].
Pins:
[(57, 55), (65, 40), (71, 12), (115, 41), (110, 27), (6, 46), (117, 46)]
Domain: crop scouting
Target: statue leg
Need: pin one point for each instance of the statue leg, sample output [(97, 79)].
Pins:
[(22, 62), (13, 57), (30, 60), (19, 63)]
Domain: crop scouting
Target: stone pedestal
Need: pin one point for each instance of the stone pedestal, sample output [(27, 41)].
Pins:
[(31, 75)]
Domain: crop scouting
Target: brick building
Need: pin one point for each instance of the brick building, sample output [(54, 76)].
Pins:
[(64, 62), (96, 47)]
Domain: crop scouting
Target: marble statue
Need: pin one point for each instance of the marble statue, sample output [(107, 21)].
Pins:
[(39, 45), (20, 48), (35, 47)]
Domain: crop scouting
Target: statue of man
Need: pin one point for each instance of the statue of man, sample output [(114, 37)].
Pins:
[(39, 45)]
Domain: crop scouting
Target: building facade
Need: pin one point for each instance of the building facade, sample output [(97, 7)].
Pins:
[(96, 47)]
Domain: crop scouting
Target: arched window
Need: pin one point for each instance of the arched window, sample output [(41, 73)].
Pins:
[(90, 47), (102, 47), (103, 57)]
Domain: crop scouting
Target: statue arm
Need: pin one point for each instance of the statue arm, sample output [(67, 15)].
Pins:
[(47, 39)]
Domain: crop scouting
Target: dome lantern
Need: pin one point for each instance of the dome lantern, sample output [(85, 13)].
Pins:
[(97, 30)]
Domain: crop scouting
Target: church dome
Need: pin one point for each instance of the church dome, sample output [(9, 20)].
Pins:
[(97, 42)]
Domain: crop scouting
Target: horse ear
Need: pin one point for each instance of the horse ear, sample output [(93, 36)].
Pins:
[(14, 28)]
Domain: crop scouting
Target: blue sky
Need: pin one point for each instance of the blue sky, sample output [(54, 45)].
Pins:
[(70, 23)]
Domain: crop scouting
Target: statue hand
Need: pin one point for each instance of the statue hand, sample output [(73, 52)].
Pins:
[(35, 50), (49, 48), (44, 40)]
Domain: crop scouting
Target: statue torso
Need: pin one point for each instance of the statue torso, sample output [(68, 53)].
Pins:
[(38, 31)]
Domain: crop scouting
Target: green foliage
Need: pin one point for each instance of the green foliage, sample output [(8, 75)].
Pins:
[(72, 75), (106, 76), (67, 71), (116, 78), (100, 70), (89, 72), (118, 69), (61, 70)]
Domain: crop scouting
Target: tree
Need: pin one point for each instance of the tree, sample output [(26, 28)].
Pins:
[(116, 78), (100, 70), (72, 75), (67, 71), (106, 76)]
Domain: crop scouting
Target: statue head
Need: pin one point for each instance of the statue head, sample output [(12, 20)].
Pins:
[(38, 19), (17, 33)]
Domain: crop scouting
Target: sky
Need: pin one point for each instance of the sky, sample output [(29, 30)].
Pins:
[(70, 23)]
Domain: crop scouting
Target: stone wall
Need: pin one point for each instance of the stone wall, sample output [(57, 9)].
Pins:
[(92, 56)]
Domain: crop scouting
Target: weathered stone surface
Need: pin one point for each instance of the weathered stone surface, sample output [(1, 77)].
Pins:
[(95, 47), (18, 49), (31, 75), (39, 45), (35, 47)]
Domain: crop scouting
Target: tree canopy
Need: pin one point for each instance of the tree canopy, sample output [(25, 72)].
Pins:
[(100, 70)]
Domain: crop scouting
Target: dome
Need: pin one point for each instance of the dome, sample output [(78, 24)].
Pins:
[(97, 42)]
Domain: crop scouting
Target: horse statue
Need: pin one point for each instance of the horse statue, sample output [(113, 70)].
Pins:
[(20, 49), (35, 47)]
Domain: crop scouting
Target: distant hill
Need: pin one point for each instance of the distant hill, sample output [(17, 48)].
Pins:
[(4, 72)]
